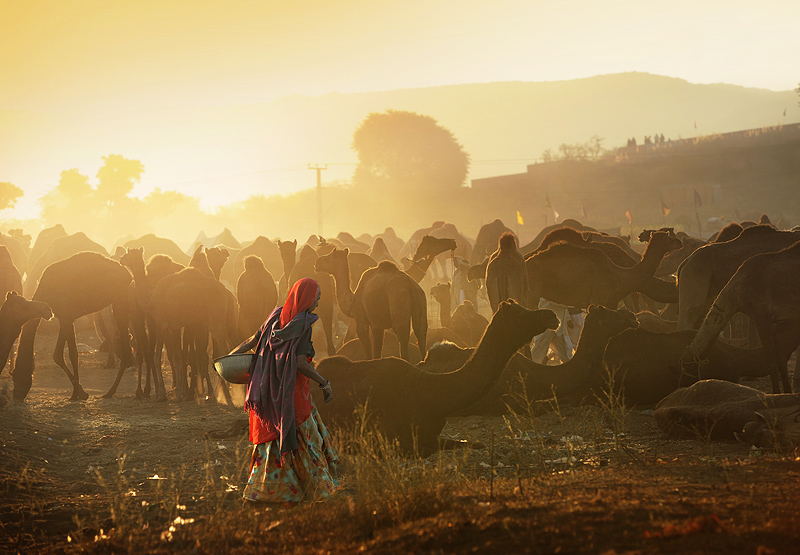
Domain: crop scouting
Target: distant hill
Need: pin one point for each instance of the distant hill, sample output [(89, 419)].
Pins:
[(214, 153)]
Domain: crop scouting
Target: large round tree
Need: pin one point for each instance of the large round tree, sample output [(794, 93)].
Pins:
[(401, 150)]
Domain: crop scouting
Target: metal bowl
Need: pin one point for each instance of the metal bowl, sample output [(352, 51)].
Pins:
[(234, 368)]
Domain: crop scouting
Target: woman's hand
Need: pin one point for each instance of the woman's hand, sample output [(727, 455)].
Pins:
[(327, 391)]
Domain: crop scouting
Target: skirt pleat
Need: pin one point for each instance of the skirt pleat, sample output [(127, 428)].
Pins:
[(307, 473)]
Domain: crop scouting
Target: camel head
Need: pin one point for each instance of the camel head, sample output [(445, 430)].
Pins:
[(325, 246), (431, 246), (288, 252), (478, 271), (607, 322), (519, 324), (217, 256), (645, 235), (133, 258), (333, 261), (441, 292), (663, 242), (20, 309)]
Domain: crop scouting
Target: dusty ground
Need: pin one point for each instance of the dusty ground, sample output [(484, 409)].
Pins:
[(73, 475)]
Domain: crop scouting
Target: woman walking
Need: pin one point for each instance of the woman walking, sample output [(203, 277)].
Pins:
[(293, 458)]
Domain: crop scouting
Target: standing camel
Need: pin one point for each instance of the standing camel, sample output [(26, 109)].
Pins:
[(386, 298), (428, 249), (256, 295), (82, 284), (766, 288), (506, 274)]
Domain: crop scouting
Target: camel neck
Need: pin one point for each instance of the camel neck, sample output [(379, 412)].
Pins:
[(454, 391), (138, 272), (445, 317), (723, 309), (650, 262), (341, 280), (419, 268)]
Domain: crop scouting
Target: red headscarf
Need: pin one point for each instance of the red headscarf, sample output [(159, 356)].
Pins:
[(301, 296)]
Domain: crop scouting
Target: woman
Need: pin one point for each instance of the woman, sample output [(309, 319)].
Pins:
[(293, 458)]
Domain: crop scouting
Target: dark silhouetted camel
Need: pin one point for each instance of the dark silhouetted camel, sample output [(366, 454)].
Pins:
[(410, 404), (256, 295), (82, 284), (506, 273)]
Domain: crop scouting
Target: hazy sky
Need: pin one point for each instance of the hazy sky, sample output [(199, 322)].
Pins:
[(90, 58), (65, 54)]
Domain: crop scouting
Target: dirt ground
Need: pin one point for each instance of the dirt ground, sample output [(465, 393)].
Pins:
[(578, 481)]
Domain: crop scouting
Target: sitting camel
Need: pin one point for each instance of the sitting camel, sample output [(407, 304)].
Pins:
[(577, 276), (465, 321), (82, 284), (412, 405), (523, 381), (506, 274), (256, 295), (385, 298), (646, 366), (765, 289), (706, 271), (354, 349)]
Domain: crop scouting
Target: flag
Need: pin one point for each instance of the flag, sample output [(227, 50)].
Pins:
[(664, 209), (697, 200), (695, 124), (555, 215), (547, 202), (583, 211), (520, 221), (629, 216)]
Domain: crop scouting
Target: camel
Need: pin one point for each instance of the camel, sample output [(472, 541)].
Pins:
[(304, 268), (488, 236), (647, 365), (439, 230), (288, 251), (256, 294), (577, 276), (412, 405), (354, 349), (714, 409), (727, 233), (15, 312), (152, 245), (10, 280), (18, 251), (352, 243), (385, 298), (43, 240), (706, 271), (764, 288), (197, 304), (506, 274), (428, 249), (655, 323), (59, 249), (200, 263), (380, 251), (217, 256), (537, 241), (393, 243), (139, 292), (579, 378), (82, 284), (269, 253), (465, 321)]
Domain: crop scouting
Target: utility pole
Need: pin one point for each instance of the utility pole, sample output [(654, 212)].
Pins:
[(319, 194)]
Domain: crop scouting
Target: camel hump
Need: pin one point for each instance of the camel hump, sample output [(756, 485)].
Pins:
[(253, 263), (388, 266), (507, 241)]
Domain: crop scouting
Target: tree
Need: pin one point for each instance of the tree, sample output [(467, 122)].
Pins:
[(9, 193), (117, 177), (404, 150)]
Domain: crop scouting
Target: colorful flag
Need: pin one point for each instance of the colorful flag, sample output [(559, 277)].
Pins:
[(520, 221), (583, 211), (664, 209), (629, 216), (697, 199)]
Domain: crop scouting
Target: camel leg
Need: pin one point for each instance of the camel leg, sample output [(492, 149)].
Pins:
[(218, 383), (175, 354), (403, 331), (121, 321), (377, 343), (158, 376), (362, 330), (779, 373), (201, 358), (66, 334)]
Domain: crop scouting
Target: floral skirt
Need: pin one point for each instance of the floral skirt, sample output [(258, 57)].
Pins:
[(307, 473)]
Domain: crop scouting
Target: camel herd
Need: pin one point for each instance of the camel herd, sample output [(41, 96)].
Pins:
[(722, 309)]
